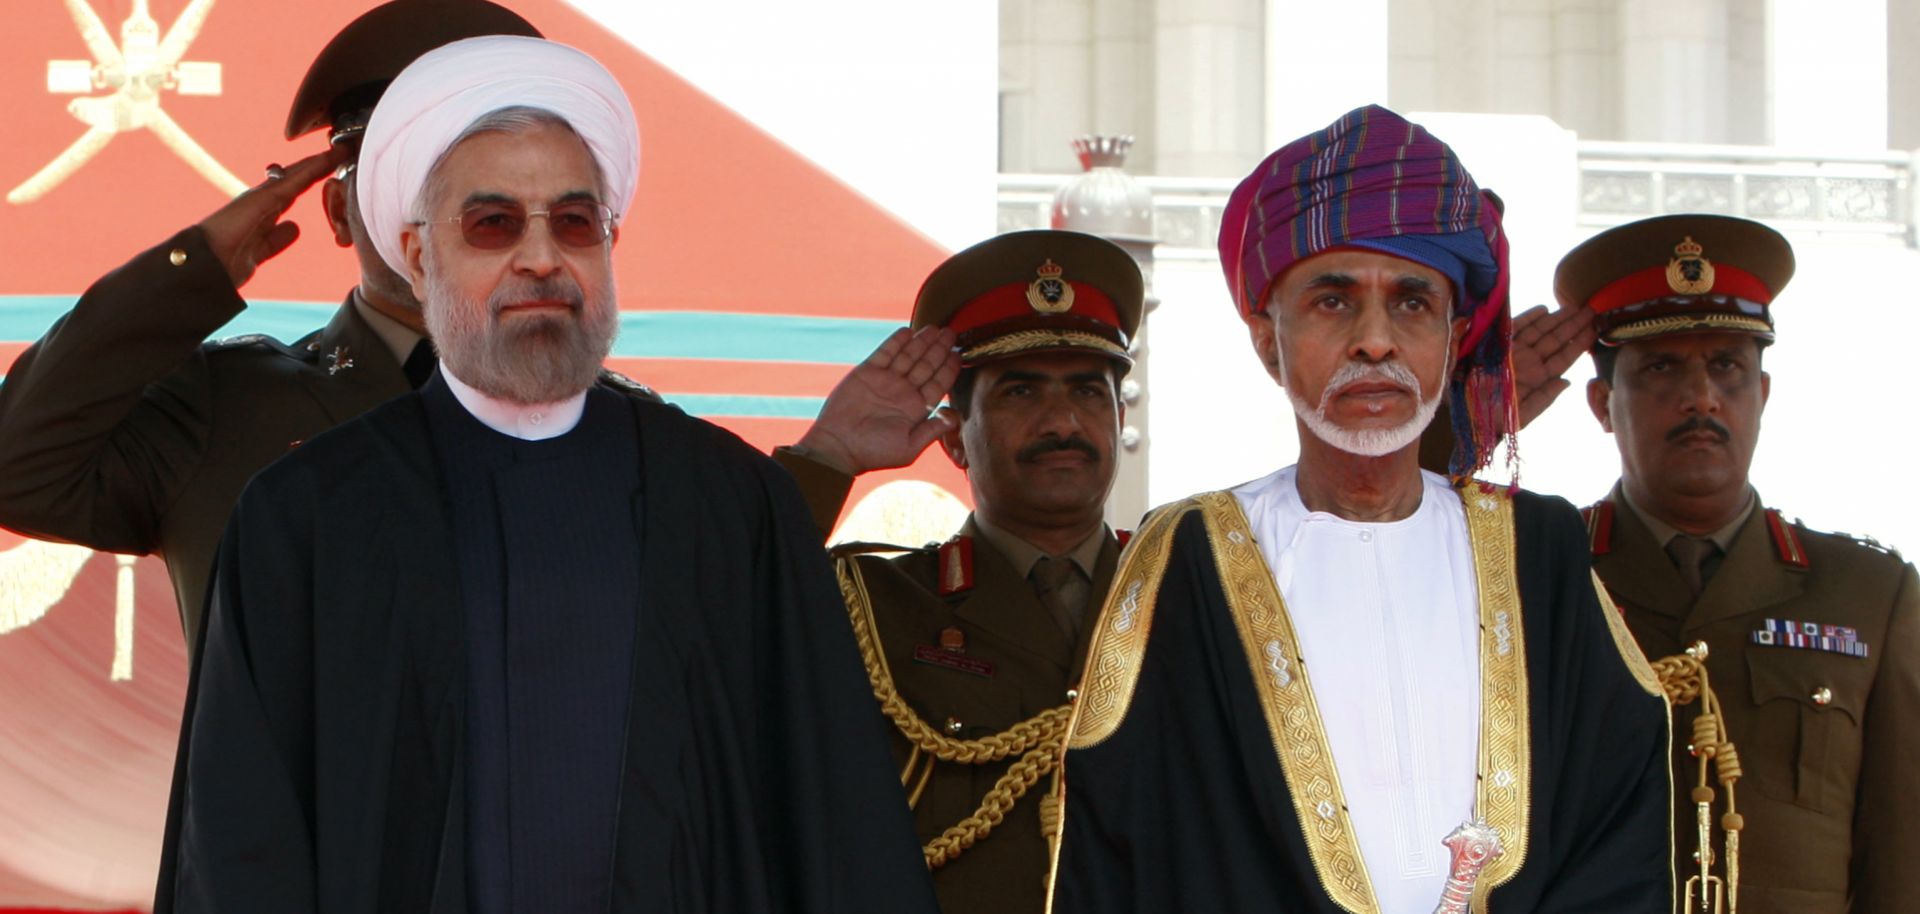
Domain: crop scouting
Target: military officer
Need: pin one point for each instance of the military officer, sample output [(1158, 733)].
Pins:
[(121, 431), (1810, 641), (972, 644)]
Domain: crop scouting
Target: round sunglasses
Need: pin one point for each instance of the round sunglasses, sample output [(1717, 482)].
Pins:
[(493, 226)]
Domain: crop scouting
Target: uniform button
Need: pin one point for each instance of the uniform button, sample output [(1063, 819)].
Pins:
[(1823, 696), (313, 347), (1073, 695), (177, 256), (954, 727)]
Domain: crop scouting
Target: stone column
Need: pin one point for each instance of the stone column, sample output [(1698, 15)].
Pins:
[(1123, 75), (1045, 82), (1673, 71), (1106, 201), (1210, 67), (1903, 75)]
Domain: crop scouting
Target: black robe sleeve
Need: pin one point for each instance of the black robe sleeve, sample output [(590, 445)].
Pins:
[(241, 817), (1602, 791), (823, 824)]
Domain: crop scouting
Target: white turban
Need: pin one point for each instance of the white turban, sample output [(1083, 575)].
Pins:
[(440, 95)]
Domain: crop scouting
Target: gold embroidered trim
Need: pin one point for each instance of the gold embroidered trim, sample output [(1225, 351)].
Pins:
[(1286, 695), (1634, 330), (1630, 652), (1118, 644), (1041, 339), (1649, 680), (1504, 792), (1286, 699), (1120, 634)]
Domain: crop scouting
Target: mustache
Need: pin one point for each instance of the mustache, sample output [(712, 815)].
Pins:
[(552, 288), (1353, 373), (1699, 424), (1050, 445)]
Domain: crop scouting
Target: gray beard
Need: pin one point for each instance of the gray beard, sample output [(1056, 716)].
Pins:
[(1366, 442), (537, 359)]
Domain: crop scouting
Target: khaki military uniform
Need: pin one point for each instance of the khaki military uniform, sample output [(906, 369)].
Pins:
[(1008, 662), (120, 430), (1829, 742), (973, 651)]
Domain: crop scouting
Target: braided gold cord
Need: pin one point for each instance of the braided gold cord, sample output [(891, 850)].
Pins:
[(1681, 677), (1037, 740), (1684, 678), (994, 807)]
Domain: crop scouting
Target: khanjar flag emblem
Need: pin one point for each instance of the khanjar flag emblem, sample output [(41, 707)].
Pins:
[(1050, 294), (1689, 272)]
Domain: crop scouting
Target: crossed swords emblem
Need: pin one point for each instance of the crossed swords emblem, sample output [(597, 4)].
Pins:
[(138, 70)]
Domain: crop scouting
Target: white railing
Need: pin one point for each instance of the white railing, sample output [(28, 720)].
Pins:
[(1864, 197)]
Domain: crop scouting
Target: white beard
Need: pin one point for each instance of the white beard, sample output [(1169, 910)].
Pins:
[(1365, 442)]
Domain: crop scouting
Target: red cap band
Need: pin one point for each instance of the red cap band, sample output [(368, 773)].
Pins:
[(1651, 284), (1010, 301)]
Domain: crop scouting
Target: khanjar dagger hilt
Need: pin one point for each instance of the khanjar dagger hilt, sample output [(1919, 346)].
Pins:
[(1473, 845)]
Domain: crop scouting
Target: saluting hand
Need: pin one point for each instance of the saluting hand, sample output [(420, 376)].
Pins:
[(247, 232), (881, 415), (1545, 345)]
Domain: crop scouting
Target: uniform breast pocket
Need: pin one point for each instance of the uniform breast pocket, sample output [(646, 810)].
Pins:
[(1800, 742)]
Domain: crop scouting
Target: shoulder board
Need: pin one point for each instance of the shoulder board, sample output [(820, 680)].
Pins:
[(956, 566), (1866, 542), (627, 385), (1599, 520), (1786, 543), (252, 339), (1874, 544), (1124, 536), (843, 550)]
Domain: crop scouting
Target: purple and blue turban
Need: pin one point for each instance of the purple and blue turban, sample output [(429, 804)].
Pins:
[(1375, 180)]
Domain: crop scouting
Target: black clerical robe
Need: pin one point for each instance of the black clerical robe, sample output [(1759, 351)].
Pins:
[(1199, 778), (322, 762)]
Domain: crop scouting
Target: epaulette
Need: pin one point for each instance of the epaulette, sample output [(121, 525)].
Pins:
[(956, 566), (1874, 544), (621, 382), (1786, 543), (253, 339), (844, 550), (1599, 520), (1865, 542)]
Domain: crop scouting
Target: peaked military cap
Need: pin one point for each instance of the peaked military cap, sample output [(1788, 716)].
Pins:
[(346, 79), (1035, 291), (1684, 273)]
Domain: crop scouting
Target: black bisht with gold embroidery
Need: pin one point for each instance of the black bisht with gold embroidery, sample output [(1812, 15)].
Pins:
[(1181, 801)]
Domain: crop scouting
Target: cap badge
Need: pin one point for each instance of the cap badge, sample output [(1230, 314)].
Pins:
[(1050, 294), (1688, 273)]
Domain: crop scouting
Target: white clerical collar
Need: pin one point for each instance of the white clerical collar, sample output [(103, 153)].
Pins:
[(537, 422)]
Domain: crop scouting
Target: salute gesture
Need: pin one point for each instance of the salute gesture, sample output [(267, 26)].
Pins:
[(883, 413), (247, 231), (1545, 344)]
